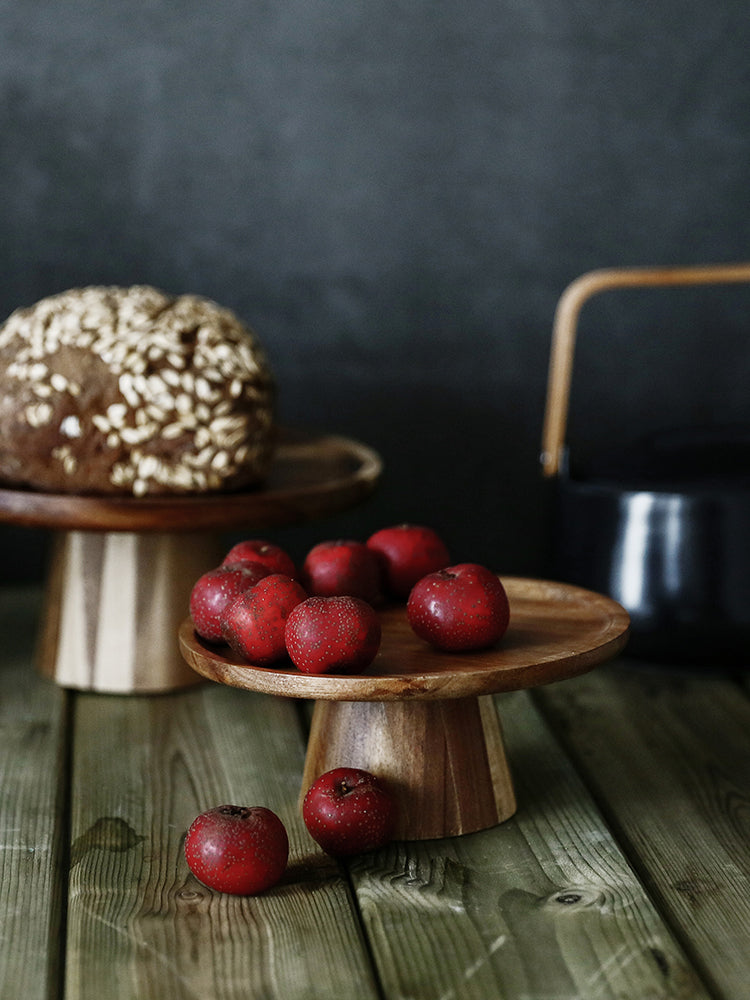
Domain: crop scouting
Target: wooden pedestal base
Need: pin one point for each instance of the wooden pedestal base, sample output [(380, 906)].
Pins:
[(124, 566), (113, 605), (443, 760), (425, 721)]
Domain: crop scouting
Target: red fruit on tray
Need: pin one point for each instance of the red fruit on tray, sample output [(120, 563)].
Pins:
[(213, 592), (462, 607), (242, 850), (333, 635), (342, 567), (348, 811), (259, 551), (407, 553), (255, 622)]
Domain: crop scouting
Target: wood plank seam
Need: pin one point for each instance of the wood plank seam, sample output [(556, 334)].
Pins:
[(366, 942), (63, 812), (628, 849)]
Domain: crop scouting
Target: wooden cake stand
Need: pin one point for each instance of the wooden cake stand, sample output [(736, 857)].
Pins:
[(123, 567), (425, 721)]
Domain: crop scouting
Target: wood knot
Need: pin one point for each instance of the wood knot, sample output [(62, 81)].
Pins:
[(574, 898)]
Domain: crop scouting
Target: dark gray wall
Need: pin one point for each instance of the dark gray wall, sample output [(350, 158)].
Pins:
[(394, 194)]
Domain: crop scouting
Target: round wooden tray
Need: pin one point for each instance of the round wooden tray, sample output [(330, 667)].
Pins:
[(556, 631), (425, 721), (123, 568), (311, 476)]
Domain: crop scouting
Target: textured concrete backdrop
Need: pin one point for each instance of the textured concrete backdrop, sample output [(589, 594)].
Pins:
[(394, 194)]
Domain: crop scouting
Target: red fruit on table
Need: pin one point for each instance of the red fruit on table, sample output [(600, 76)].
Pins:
[(342, 567), (259, 551), (213, 592), (407, 553), (461, 607), (254, 623), (242, 850), (348, 811), (333, 635)]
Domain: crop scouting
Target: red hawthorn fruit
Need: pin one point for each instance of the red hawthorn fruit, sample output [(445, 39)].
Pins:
[(242, 850), (342, 567), (332, 634), (254, 624), (407, 553), (259, 551), (348, 811), (461, 607), (213, 592)]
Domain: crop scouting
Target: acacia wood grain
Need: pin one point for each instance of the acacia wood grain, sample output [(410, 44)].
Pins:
[(556, 631), (443, 761), (114, 601), (311, 476), (123, 568)]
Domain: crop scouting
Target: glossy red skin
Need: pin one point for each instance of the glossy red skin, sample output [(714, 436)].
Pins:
[(333, 635), (348, 811), (462, 607), (342, 567), (213, 592), (259, 551), (407, 553), (237, 849), (255, 622)]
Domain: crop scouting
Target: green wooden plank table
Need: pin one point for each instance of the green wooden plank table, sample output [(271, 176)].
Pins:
[(625, 872)]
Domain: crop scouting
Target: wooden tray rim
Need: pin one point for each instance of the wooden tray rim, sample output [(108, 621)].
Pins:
[(503, 668), (265, 506)]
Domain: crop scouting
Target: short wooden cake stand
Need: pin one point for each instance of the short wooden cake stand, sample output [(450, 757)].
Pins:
[(123, 568), (425, 721)]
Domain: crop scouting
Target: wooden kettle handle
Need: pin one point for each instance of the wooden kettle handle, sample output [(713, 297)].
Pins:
[(564, 333)]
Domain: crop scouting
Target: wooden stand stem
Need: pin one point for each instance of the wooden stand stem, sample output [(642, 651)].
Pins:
[(113, 605), (443, 760)]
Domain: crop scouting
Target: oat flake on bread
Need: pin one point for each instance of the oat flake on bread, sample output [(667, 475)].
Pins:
[(131, 391)]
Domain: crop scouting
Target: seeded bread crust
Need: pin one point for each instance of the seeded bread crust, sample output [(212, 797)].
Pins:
[(109, 390)]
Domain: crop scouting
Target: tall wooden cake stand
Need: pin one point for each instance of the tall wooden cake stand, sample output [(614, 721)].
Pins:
[(123, 568), (425, 721)]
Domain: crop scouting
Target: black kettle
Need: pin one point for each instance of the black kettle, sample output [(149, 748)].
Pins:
[(663, 530)]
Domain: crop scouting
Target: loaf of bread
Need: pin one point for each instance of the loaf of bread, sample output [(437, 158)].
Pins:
[(109, 390)]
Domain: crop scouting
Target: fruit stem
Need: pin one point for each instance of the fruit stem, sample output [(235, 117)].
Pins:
[(241, 811)]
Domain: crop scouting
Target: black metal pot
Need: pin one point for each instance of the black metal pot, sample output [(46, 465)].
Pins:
[(665, 529)]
